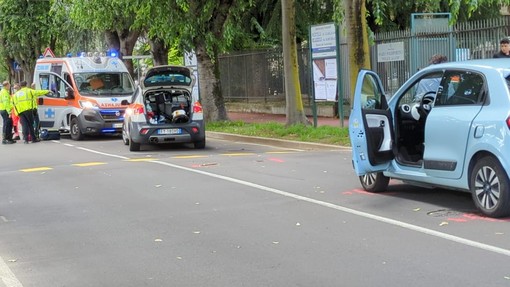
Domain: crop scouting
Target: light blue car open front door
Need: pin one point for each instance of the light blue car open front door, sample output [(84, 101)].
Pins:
[(370, 125)]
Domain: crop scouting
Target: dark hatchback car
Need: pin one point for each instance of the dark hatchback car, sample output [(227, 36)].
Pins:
[(163, 110)]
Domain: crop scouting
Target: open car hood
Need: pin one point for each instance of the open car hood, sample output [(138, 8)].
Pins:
[(169, 76)]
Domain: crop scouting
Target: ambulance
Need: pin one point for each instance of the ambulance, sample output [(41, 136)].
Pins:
[(86, 94)]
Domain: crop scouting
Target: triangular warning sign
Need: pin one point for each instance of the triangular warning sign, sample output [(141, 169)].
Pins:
[(48, 53)]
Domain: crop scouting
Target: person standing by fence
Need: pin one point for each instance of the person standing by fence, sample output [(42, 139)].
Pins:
[(504, 49)]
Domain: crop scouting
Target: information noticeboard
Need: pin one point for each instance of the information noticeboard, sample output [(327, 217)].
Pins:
[(323, 47)]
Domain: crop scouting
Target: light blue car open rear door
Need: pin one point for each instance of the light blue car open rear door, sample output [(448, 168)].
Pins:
[(370, 125)]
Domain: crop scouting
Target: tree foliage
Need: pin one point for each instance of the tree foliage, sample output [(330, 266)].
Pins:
[(262, 22), (25, 30), (396, 14), (67, 36), (206, 27), (114, 17), (383, 15)]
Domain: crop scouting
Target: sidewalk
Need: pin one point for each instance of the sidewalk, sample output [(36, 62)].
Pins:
[(262, 118)]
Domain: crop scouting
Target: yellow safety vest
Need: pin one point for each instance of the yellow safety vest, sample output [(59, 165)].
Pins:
[(5, 101), (23, 100)]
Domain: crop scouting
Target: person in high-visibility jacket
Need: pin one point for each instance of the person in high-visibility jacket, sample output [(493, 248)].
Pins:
[(23, 101), (37, 94), (6, 112)]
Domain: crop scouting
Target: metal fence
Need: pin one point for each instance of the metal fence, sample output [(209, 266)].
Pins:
[(258, 76)]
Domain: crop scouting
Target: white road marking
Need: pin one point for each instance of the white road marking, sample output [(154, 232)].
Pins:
[(7, 277), (394, 222), (102, 153)]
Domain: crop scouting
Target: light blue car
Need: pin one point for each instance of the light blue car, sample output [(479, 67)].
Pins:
[(448, 126)]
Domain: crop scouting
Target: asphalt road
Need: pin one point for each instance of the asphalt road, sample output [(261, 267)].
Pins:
[(91, 213)]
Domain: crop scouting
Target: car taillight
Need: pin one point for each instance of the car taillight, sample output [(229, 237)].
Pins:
[(135, 110), (508, 122), (138, 110), (197, 107)]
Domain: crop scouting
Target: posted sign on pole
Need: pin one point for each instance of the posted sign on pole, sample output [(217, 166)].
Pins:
[(325, 62)]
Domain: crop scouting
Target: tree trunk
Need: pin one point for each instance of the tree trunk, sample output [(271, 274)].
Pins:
[(159, 52), (124, 41), (211, 96), (294, 110), (357, 35)]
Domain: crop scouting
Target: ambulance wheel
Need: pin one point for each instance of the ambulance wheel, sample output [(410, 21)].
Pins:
[(133, 146), (374, 182), (75, 130)]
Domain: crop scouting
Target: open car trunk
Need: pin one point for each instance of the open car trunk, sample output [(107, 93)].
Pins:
[(168, 106)]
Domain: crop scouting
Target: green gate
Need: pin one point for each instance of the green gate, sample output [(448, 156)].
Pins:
[(431, 33)]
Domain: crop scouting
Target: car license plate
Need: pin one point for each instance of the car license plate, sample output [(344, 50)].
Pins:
[(169, 131), (117, 126)]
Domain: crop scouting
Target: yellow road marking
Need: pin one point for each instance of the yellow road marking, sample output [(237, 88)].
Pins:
[(190, 156), (36, 169), (281, 152), (142, 159), (238, 154), (89, 164)]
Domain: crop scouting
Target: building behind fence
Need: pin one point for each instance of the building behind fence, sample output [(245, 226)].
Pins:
[(258, 76)]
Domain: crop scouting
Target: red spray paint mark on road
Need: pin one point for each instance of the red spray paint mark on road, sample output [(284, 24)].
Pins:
[(357, 191), (279, 160), (467, 217)]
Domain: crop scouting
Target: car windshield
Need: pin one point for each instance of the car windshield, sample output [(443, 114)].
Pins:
[(104, 83)]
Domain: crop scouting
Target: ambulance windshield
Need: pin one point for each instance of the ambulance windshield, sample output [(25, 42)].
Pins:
[(104, 83)]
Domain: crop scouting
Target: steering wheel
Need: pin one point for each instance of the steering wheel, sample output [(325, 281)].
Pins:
[(426, 103)]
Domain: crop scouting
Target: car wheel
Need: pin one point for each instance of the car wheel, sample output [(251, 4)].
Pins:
[(199, 144), (125, 138), (133, 146), (75, 130), (489, 186), (374, 182)]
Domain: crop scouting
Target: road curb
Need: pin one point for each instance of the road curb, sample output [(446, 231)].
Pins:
[(274, 142)]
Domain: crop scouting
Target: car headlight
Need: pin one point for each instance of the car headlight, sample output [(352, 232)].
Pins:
[(88, 105)]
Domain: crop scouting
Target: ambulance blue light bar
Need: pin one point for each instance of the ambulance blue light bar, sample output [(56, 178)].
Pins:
[(112, 53)]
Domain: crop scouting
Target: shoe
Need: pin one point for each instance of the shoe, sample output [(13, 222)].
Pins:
[(36, 140), (4, 141), (25, 142), (11, 141)]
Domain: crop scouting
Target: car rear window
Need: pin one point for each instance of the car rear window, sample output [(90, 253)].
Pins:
[(169, 78)]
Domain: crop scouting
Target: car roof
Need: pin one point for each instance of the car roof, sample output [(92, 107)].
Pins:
[(499, 63)]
